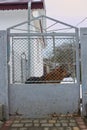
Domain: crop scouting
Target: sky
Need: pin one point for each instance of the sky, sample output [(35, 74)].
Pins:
[(69, 11)]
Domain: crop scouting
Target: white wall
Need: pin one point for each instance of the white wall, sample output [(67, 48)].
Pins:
[(12, 17)]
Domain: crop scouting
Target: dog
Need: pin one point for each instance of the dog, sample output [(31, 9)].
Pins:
[(56, 75)]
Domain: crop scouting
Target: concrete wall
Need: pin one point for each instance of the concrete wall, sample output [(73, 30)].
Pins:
[(3, 72), (83, 34), (39, 100)]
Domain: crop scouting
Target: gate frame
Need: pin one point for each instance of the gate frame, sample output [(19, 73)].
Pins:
[(29, 34), (76, 34)]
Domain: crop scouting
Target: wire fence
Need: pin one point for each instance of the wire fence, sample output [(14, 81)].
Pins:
[(37, 59)]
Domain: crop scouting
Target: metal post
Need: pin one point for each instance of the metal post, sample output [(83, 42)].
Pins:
[(54, 51), (13, 71), (77, 63), (29, 21), (8, 55), (77, 56), (23, 67)]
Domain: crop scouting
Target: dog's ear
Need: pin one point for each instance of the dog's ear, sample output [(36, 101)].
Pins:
[(62, 67)]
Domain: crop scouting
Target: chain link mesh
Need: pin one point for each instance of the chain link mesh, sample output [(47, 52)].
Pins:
[(38, 59)]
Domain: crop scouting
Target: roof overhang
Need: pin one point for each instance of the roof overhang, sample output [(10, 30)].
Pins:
[(20, 4)]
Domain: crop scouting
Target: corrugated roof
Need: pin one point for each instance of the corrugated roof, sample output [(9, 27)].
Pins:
[(13, 1), (19, 1), (20, 4)]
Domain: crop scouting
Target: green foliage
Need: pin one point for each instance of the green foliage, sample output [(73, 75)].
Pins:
[(64, 54)]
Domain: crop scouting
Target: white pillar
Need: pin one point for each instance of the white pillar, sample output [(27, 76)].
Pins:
[(36, 61), (36, 47)]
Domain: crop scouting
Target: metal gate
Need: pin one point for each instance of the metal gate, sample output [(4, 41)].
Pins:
[(44, 72)]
